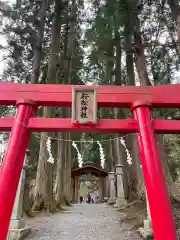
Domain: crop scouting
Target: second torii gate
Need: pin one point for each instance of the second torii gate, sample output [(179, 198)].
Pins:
[(29, 97)]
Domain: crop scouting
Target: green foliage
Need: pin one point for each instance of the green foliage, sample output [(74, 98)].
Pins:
[(89, 149), (91, 154), (20, 31), (94, 55)]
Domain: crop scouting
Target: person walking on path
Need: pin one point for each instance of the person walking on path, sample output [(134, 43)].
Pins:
[(89, 198), (80, 199)]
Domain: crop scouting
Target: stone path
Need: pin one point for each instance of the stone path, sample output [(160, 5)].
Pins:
[(82, 222)]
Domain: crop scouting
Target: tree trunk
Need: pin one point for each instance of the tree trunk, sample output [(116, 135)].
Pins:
[(67, 171), (175, 10), (44, 177), (18, 3), (41, 176), (144, 81), (39, 43), (111, 157), (59, 180), (71, 41), (132, 172), (118, 59), (129, 57), (34, 79), (69, 47), (109, 64), (136, 178), (139, 57)]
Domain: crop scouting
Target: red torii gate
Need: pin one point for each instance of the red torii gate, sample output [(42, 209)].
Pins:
[(29, 97)]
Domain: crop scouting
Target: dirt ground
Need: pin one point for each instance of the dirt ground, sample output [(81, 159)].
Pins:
[(82, 222), (135, 213)]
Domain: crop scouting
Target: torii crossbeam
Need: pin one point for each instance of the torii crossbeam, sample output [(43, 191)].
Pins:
[(29, 97)]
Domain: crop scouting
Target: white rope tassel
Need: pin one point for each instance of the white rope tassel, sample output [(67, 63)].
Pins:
[(48, 145), (102, 155), (129, 159), (79, 156)]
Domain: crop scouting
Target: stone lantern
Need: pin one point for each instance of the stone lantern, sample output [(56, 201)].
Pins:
[(112, 198), (120, 187), (18, 229)]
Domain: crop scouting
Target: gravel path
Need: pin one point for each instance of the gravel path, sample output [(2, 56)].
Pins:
[(82, 222)]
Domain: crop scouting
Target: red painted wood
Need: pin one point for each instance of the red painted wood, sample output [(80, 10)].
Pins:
[(12, 164), (104, 125), (108, 96), (65, 125), (157, 192), (166, 96)]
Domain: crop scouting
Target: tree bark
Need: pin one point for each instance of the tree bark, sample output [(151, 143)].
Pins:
[(118, 59), (44, 177), (133, 172), (59, 180), (139, 57), (175, 10), (69, 48), (111, 157), (144, 81), (18, 3), (39, 43), (34, 79), (129, 58), (67, 171)]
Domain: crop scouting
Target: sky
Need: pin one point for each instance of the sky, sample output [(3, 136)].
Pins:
[(3, 41)]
